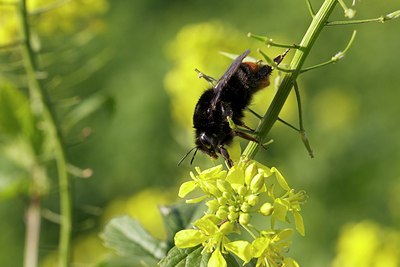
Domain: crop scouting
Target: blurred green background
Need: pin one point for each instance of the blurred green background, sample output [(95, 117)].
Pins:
[(140, 56)]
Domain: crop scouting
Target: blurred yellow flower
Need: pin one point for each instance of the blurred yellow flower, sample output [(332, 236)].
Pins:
[(335, 110), (49, 17), (367, 244), (87, 251)]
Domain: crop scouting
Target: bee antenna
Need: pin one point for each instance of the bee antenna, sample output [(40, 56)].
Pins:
[(187, 154), (194, 154)]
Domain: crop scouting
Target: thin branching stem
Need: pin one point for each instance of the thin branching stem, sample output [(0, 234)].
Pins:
[(296, 64), (338, 56), (249, 231), (288, 124), (300, 110), (343, 4), (41, 107), (382, 19), (310, 8), (32, 233), (269, 42), (302, 131)]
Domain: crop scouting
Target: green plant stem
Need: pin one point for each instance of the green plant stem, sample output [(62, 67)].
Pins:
[(32, 234), (271, 116), (382, 19), (42, 108), (335, 58), (310, 8)]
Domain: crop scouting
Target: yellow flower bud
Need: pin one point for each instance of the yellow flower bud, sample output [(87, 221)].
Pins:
[(257, 183), (227, 227), (222, 213), (266, 209), (245, 207), (252, 200), (233, 216), (250, 172), (244, 218), (242, 190)]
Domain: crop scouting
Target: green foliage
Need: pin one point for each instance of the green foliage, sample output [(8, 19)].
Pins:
[(127, 237), (186, 257), (22, 144), (132, 242)]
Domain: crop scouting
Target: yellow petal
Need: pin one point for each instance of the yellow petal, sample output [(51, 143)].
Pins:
[(189, 238), (216, 259), (186, 188)]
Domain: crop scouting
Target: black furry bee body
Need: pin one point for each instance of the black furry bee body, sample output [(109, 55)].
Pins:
[(228, 99)]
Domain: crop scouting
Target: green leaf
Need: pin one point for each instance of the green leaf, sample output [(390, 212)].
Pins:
[(15, 116), (128, 238), (178, 217), (231, 261), (186, 257), (13, 180), (88, 107), (127, 261), (192, 257)]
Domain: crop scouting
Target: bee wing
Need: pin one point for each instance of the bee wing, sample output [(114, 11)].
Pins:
[(223, 81)]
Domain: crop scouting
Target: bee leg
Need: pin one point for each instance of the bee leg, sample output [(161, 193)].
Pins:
[(234, 127), (228, 114), (242, 124), (209, 79), (225, 155), (250, 138)]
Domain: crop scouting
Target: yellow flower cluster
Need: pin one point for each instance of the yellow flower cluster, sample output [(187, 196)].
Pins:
[(233, 198)]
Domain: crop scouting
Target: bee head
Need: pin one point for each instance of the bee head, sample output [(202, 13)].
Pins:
[(207, 144)]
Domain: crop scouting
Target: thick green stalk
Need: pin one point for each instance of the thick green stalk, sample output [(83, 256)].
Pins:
[(271, 116), (42, 108)]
